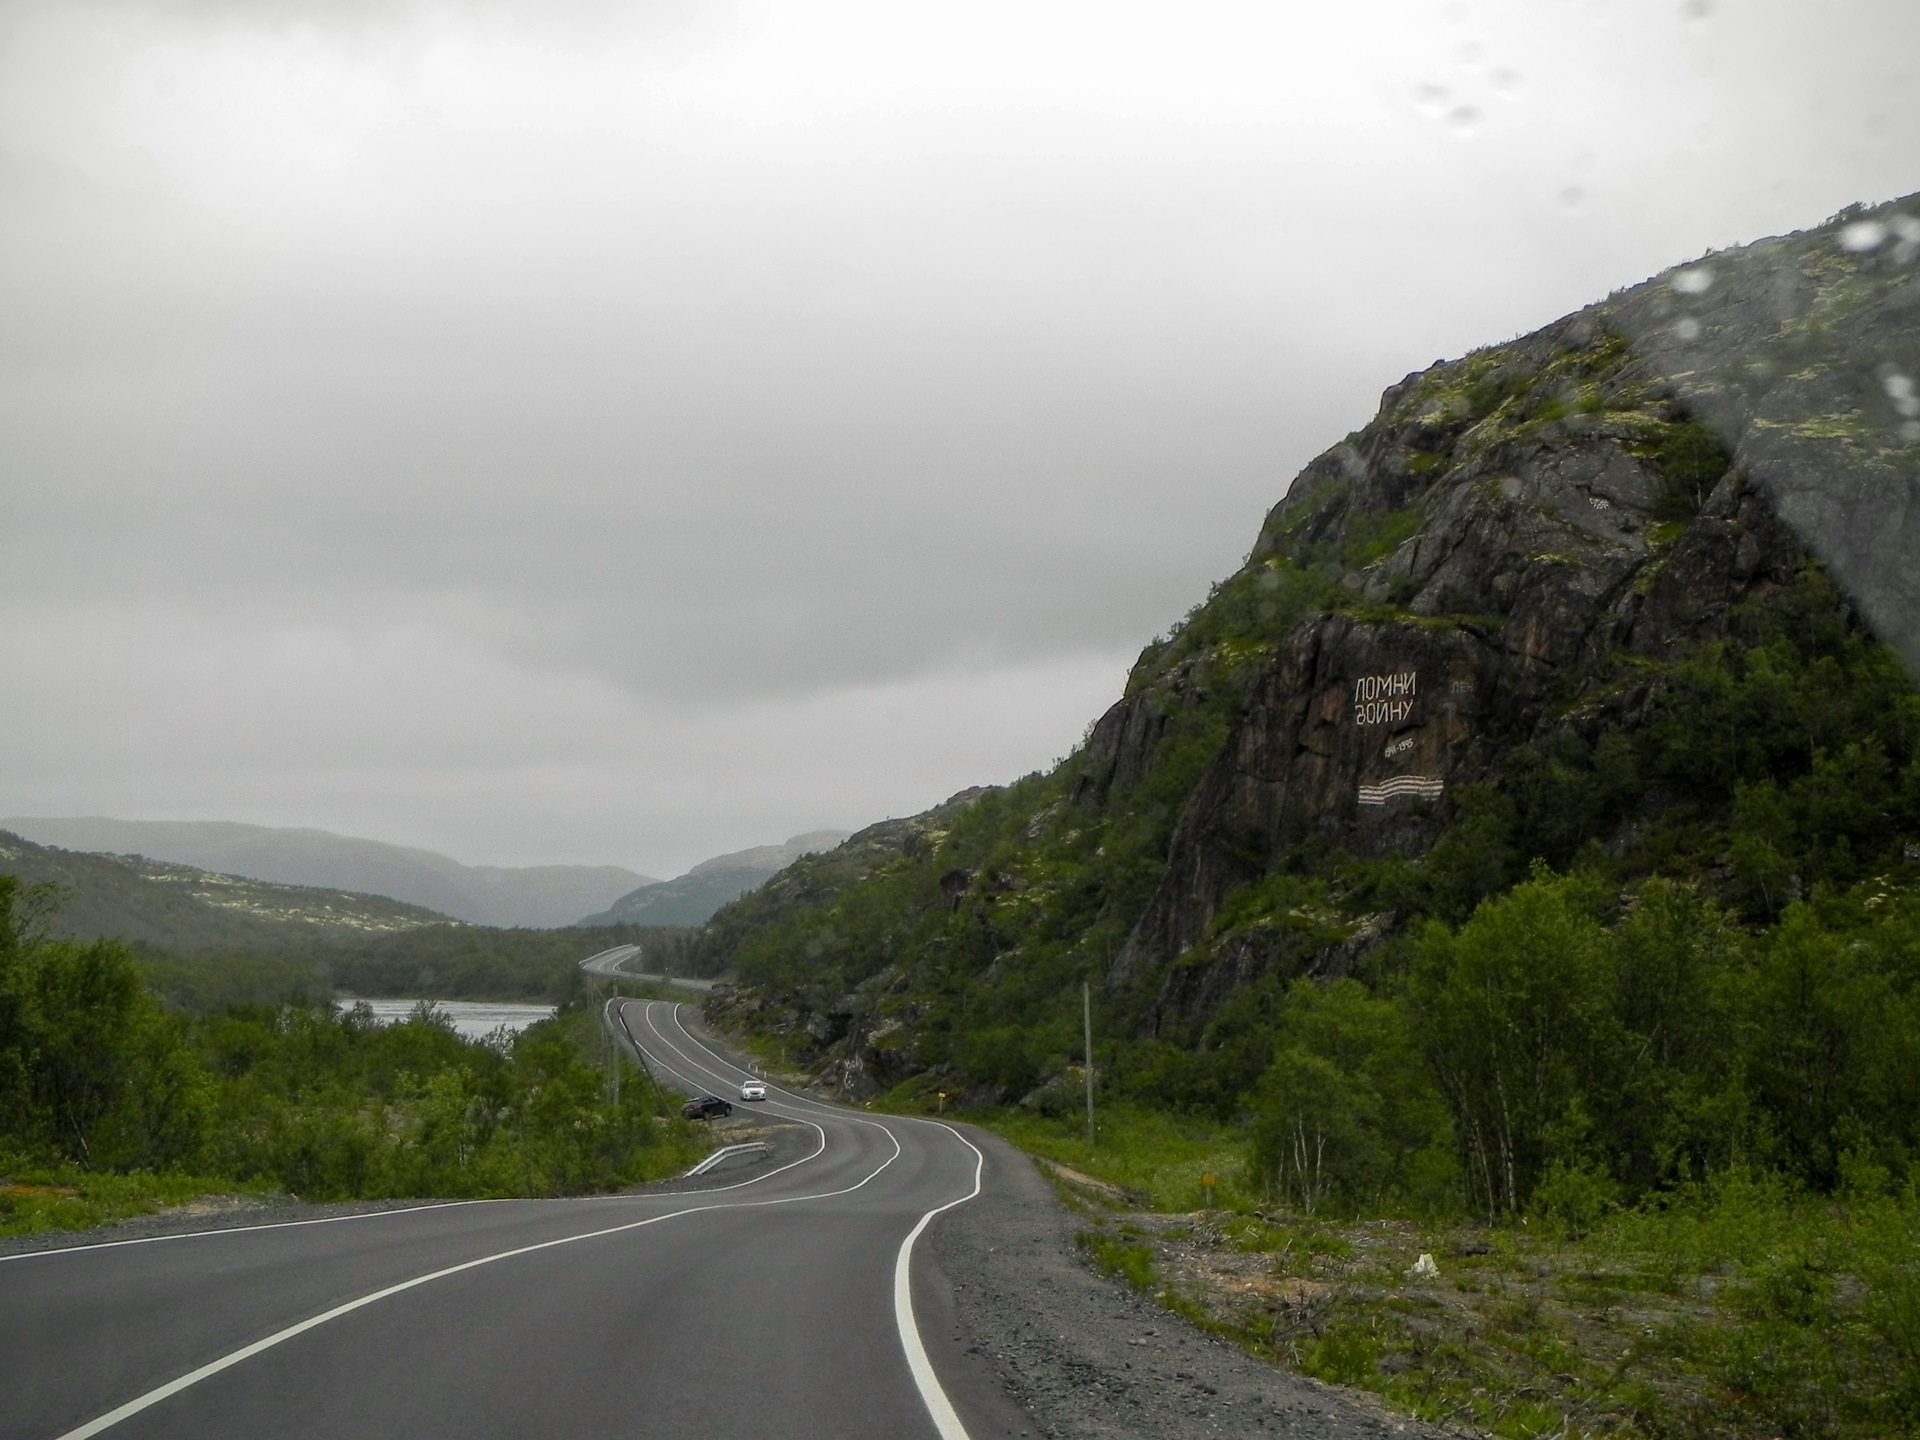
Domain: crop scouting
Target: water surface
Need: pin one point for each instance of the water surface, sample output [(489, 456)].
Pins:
[(474, 1019)]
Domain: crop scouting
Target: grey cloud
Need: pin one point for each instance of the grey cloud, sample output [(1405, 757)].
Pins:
[(513, 479)]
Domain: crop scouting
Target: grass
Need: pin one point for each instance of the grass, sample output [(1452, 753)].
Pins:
[(1163, 1158), (1742, 1309), (1734, 1314), (1122, 1256), (39, 1198)]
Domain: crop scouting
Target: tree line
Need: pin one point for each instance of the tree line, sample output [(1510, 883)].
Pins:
[(1569, 1049), (99, 1074)]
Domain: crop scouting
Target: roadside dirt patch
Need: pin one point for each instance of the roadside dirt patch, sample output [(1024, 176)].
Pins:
[(1087, 1357)]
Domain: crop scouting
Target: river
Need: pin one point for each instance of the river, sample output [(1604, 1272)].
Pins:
[(475, 1019)]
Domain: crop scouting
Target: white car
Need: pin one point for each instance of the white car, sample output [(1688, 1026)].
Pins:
[(753, 1090)]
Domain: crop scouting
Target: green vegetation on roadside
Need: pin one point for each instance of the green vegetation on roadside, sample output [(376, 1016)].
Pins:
[(1159, 1157), (110, 1101), (1739, 1306), (55, 1196)]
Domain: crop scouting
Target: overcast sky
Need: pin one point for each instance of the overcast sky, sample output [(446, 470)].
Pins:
[(575, 431)]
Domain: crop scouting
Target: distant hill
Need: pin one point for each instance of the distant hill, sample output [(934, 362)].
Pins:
[(540, 896), (694, 896), (176, 908)]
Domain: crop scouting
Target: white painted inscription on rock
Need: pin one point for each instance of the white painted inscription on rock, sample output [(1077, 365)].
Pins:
[(1427, 787), (1384, 699)]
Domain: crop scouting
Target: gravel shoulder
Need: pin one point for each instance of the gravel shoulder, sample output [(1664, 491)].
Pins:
[(1087, 1357)]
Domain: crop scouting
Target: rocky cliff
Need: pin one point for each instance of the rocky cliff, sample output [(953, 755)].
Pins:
[(1608, 594)]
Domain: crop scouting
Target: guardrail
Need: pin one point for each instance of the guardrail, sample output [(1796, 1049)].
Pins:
[(727, 1152)]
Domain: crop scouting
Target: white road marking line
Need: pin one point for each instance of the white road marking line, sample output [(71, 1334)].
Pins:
[(250, 1229), (174, 1387), (932, 1394)]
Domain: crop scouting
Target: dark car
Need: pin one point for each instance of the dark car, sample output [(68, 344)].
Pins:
[(706, 1107)]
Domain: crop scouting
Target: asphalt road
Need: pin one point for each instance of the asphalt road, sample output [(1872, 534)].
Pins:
[(611, 965), (781, 1303)]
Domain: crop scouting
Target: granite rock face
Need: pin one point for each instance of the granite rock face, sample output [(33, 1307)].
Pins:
[(1509, 553), (1354, 730), (1759, 403)]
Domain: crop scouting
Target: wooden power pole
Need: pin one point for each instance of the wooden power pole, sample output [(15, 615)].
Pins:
[(1086, 1020)]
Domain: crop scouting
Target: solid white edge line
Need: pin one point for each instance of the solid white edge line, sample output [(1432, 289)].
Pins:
[(253, 1229), (214, 1367), (933, 1395)]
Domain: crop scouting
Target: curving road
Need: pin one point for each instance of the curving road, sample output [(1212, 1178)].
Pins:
[(785, 1301), (611, 965)]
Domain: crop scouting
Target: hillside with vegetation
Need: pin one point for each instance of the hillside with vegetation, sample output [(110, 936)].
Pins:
[(528, 895), (206, 940), (441, 962), (112, 1101), (1528, 831), (178, 908), (692, 898)]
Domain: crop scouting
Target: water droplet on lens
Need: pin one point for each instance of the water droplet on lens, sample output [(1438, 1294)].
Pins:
[(1694, 11), (1506, 81), (1573, 197), (1862, 236), (1430, 100), (1696, 280), (1910, 432), (1465, 121), (1908, 247), (1687, 329)]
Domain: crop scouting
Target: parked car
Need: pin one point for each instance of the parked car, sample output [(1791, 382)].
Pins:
[(753, 1090), (706, 1108)]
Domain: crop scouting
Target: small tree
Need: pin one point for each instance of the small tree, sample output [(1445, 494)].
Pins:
[(1517, 1018), (1345, 1106)]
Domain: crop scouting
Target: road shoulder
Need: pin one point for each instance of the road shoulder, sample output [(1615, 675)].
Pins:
[(1088, 1358)]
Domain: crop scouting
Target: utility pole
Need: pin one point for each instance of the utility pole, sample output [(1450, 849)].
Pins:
[(613, 1066), (1086, 1020), (613, 1052)]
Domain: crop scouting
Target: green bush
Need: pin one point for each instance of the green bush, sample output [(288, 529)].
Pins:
[(98, 1081), (1121, 1256)]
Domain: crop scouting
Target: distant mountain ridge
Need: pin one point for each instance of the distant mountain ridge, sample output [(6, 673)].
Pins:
[(691, 898), (539, 896), (184, 910)]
